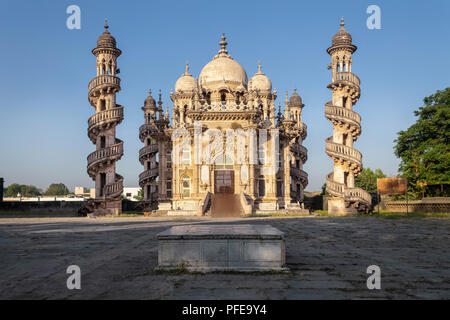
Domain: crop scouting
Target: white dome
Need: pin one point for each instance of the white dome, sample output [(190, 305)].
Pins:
[(260, 81), (186, 83), (220, 69)]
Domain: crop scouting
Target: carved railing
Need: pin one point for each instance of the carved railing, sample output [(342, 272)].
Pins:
[(343, 152), (298, 148), (347, 76), (358, 194), (334, 188), (103, 80), (105, 153), (114, 190), (299, 173), (149, 174), (342, 114), (151, 148), (114, 114)]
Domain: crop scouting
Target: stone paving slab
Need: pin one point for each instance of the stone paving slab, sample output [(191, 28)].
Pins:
[(327, 258)]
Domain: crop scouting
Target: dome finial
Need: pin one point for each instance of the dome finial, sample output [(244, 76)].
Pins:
[(342, 23), (106, 24), (149, 92), (259, 66), (187, 69), (223, 45)]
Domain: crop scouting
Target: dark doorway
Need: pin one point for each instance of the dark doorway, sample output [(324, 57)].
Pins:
[(224, 181), (102, 183)]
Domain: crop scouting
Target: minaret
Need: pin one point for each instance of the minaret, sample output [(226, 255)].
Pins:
[(148, 154), (295, 107), (345, 87), (102, 129)]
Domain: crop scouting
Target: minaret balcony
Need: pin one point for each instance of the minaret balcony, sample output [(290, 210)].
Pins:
[(108, 116), (347, 77), (114, 189), (111, 153), (300, 150), (344, 153), (148, 175), (103, 81), (357, 194), (147, 130), (146, 151), (300, 174), (343, 116)]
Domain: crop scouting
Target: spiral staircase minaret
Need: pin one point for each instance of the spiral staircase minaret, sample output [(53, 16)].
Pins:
[(346, 198), (101, 164)]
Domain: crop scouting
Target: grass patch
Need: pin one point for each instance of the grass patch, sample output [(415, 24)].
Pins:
[(400, 215), (321, 213)]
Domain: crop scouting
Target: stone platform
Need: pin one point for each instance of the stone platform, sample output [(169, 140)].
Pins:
[(222, 248)]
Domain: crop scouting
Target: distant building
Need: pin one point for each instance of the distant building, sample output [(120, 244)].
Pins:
[(130, 193), (80, 191)]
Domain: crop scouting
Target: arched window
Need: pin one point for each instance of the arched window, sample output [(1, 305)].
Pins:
[(186, 156), (224, 162), (186, 186)]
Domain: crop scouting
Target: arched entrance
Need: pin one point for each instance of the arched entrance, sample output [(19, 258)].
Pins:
[(223, 175)]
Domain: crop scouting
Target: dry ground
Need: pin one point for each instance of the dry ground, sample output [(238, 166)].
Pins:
[(328, 258)]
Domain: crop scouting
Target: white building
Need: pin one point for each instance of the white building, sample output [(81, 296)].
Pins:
[(131, 192)]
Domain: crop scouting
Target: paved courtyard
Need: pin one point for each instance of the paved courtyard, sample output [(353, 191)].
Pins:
[(328, 258)]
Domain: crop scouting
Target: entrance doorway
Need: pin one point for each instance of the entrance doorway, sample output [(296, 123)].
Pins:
[(224, 181)]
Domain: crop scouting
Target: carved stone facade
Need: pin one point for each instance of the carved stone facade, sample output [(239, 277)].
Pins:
[(101, 165), (345, 87), (184, 179)]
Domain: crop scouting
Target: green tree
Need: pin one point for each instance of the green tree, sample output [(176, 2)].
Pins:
[(367, 179), (57, 189), (140, 195), (424, 148), (23, 190)]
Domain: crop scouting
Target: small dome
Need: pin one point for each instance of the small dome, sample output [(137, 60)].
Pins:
[(295, 100), (186, 83), (150, 102), (260, 81), (342, 37), (222, 69), (106, 40)]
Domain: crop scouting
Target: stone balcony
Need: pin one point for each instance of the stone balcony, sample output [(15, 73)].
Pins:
[(146, 151), (300, 174), (344, 153), (358, 194), (301, 150), (104, 119), (148, 175), (107, 154), (343, 116), (336, 189), (103, 81), (347, 77), (115, 189)]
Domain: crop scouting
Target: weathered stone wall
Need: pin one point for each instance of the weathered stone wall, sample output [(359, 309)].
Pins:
[(42, 206), (424, 205)]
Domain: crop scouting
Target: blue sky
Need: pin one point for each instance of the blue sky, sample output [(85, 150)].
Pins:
[(45, 70)]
